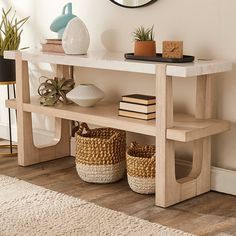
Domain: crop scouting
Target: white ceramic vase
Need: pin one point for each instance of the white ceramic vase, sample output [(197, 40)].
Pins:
[(86, 95), (75, 39)]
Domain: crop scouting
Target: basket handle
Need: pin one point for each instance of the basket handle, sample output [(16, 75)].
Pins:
[(134, 145), (115, 135), (118, 134), (74, 128), (83, 126)]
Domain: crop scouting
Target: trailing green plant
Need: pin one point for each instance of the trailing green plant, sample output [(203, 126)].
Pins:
[(10, 31), (54, 90), (144, 34)]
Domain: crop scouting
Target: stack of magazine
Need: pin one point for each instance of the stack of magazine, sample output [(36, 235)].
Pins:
[(138, 106)]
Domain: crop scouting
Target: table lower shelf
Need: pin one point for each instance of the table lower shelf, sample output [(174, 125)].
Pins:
[(186, 128)]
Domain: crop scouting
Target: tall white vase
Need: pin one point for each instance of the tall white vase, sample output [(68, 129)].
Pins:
[(76, 40)]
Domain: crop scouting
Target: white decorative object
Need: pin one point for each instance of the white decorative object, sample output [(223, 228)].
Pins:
[(86, 95), (75, 39)]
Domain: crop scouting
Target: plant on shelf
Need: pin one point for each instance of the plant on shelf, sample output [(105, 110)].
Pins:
[(145, 44), (10, 38), (54, 90), (10, 31)]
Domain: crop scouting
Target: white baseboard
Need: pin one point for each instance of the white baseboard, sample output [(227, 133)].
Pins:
[(4, 132), (222, 180), (38, 133)]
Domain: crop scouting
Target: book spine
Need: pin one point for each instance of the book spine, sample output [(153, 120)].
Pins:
[(137, 107), (54, 41), (133, 100), (52, 48), (139, 101), (137, 115)]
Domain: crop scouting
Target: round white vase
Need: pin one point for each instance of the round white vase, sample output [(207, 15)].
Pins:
[(86, 95), (75, 39)]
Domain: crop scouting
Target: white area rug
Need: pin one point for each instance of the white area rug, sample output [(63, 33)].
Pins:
[(29, 210)]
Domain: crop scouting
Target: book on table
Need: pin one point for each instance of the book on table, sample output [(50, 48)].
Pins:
[(54, 41), (137, 115), (138, 106), (52, 45), (139, 99), (128, 106)]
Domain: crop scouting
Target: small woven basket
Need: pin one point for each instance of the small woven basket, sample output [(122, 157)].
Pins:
[(100, 154), (141, 168)]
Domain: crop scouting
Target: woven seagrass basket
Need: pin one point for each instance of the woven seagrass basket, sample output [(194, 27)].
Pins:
[(100, 154), (141, 168)]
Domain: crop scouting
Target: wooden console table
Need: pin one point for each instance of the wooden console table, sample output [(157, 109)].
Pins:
[(168, 128)]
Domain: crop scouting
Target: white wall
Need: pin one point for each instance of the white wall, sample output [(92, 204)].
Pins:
[(206, 27)]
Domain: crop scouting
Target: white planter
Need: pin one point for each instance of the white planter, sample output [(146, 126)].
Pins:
[(86, 95), (76, 40)]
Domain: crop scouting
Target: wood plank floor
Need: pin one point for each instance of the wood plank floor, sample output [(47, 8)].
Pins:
[(209, 214)]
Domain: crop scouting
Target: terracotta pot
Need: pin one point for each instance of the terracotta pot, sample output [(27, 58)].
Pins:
[(145, 48)]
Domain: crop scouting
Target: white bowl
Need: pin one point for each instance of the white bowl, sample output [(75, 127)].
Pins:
[(86, 95)]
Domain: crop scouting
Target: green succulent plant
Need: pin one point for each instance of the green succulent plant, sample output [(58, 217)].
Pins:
[(10, 31), (144, 34), (54, 90)]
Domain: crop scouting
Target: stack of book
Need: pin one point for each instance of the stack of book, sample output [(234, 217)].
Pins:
[(138, 106), (52, 45)]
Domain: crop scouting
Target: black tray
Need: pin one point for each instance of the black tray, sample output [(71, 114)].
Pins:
[(159, 58)]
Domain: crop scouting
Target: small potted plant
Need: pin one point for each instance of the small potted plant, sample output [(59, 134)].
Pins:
[(145, 44), (10, 37)]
